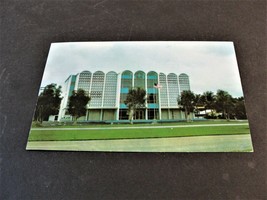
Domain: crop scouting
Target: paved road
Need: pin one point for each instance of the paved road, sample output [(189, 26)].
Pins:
[(141, 127), (218, 143)]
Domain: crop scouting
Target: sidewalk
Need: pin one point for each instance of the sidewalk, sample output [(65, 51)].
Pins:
[(217, 143)]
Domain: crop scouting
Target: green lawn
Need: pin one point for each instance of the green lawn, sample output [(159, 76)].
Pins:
[(72, 135), (88, 125)]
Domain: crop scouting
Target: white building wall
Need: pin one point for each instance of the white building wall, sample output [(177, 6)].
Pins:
[(66, 92)]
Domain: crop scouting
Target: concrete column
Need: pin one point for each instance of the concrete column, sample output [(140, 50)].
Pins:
[(103, 90), (159, 101), (91, 81), (146, 114), (64, 101), (77, 82), (118, 95), (168, 97), (90, 88), (101, 115), (87, 115)]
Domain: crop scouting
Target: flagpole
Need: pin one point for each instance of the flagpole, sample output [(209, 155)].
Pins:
[(156, 86), (154, 103)]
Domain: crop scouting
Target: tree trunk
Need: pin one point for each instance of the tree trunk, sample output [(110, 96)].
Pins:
[(39, 116), (186, 114), (226, 115), (131, 116), (75, 120), (189, 117)]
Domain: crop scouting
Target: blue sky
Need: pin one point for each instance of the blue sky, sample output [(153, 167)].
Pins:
[(210, 65)]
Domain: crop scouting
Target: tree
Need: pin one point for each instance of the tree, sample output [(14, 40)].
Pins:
[(198, 103), (208, 99), (240, 110), (77, 104), (224, 103), (135, 100), (48, 102), (208, 102), (187, 101)]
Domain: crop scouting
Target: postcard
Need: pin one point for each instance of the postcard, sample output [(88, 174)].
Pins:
[(141, 97)]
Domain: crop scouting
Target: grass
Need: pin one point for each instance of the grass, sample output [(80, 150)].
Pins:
[(105, 134), (88, 125)]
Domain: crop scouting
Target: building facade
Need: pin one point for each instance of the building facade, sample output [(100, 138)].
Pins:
[(108, 91)]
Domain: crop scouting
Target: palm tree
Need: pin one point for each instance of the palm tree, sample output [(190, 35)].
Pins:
[(135, 100), (198, 103), (187, 101), (224, 103), (208, 100)]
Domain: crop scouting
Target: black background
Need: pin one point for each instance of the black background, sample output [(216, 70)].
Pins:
[(28, 28)]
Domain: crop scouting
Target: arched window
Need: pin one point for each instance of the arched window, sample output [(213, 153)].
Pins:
[(152, 91), (184, 82), (85, 81), (163, 90), (126, 79), (97, 89), (110, 89), (139, 79), (173, 89), (126, 84)]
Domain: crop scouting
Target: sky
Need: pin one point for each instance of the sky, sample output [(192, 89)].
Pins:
[(209, 65)]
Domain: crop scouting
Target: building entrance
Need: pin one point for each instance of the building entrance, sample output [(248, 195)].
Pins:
[(153, 113), (123, 114), (139, 114)]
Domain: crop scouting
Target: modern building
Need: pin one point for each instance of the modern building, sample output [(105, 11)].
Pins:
[(108, 91)]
